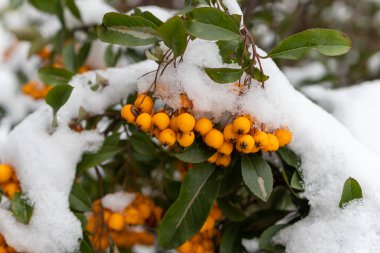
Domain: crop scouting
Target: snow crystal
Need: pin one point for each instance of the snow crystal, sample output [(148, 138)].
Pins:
[(356, 107), (118, 201)]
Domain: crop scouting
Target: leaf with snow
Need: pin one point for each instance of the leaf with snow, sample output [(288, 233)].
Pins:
[(351, 191), (21, 210), (327, 41), (257, 175)]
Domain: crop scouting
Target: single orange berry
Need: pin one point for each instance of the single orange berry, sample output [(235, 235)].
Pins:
[(128, 114), (10, 189), (144, 122), (116, 221), (223, 160), (229, 134), (226, 148), (284, 136), (203, 126), (209, 224), (185, 139), (245, 144), (241, 125), (5, 173), (213, 158), (185, 122), (261, 139), (273, 143), (144, 103), (167, 137), (173, 124), (160, 121), (214, 138)]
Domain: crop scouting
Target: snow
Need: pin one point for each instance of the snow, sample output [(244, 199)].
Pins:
[(118, 201), (356, 107)]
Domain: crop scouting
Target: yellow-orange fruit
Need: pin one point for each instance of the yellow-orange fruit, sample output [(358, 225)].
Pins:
[(116, 221), (203, 126), (273, 143), (229, 134), (284, 136), (223, 160), (185, 122), (214, 138), (209, 224), (160, 121), (10, 189), (185, 139), (144, 103), (132, 216), (167, 137), (144, 122), (261, 139), (3, 249), (127, 113), (5, 173), (241, 125), (245, 143), (226, 148), (212, 159), (185, 248), (255, 149), (173, 124)]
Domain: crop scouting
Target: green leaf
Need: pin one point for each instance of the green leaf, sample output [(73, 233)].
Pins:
[(257, 175), (85, 247), (111, 57), (174, 35), (188, 213), (266, 237), (326, 41), (58, 96), (21, 210), (127, 30), (231, 240), (55, 76), (289, 157), (230, 211), (351, 191), (212, 24), (72, 6), (196, 153), (296, 182), (258, 75), (110, 148), (227, 50), (45, 6), (78, 199), (82, 55), (224, 75), (149, 16), (28, 33), (69, 56)]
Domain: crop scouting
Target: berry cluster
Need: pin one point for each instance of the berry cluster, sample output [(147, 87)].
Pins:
[(36, 90), (4, 247), (123, 228), (204, 240), (9, 183), (241, 134)]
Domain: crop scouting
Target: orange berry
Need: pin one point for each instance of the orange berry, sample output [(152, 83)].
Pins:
[(128, 114), (144, 103), (284, 136), (144, 122), (223, 160), (106, 215), (261, 139), (167, 137), (203, 126), (132, 216), (185, 122), (160, 121), (3, 249), (185, 248), (209, 224), (216, 213), (213, 158), (10, 189), (273, 143), (226, 148), (245, 144), (10, 249), (185, 139), (214, 138), (116, 221), (255, 149), (5, 173), (241, 125), (173, 124), (145, 210), (229, 134)]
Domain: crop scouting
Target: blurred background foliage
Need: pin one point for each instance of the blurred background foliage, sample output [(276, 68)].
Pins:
[(273, 20)]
